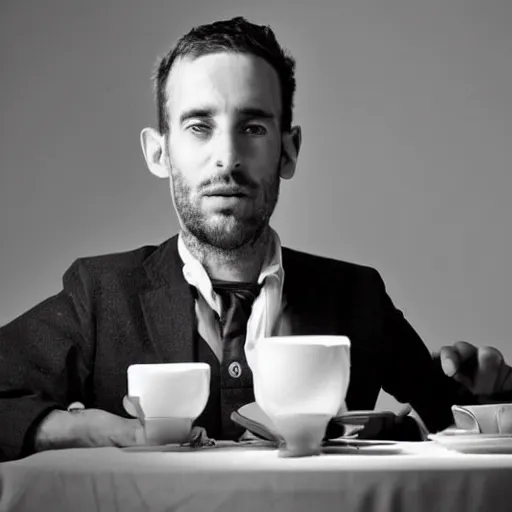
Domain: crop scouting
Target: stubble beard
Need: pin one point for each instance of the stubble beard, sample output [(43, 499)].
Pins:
[(228, 233)]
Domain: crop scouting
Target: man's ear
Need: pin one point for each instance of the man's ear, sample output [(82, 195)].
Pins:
[(153, 147), (291, 142)]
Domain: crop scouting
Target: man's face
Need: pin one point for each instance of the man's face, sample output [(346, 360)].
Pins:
[(224, 146)]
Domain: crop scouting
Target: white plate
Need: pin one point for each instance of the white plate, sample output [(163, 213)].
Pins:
[(475, 443)]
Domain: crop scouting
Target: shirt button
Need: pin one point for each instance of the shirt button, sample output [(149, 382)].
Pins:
[(235, 370)]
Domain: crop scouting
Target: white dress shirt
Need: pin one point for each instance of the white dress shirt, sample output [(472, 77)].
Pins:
[(265, 318)]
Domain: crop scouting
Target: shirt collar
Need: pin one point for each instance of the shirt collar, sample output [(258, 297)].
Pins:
[(196, 275), (273, 262)]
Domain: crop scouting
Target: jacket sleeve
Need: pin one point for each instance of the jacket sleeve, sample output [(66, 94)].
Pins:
[(410, 373), (45, 361)]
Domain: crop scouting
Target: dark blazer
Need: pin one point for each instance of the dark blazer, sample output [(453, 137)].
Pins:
[(135, 307)]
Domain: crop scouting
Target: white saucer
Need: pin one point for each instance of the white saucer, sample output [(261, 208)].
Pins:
[(474, 443)]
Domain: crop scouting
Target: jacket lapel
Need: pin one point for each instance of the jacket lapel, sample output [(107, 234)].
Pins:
[(168, 305), (168, 302)]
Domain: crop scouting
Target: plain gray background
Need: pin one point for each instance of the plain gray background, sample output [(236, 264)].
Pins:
[(406, 109)]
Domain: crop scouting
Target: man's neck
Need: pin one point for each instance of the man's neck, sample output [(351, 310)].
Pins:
[(239, 265)]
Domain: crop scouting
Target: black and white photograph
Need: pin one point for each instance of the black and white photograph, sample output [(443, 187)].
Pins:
[(255, 256)]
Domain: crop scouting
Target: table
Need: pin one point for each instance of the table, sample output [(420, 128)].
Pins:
[(401, 477)]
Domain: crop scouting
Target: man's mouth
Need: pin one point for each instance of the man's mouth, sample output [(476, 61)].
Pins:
[(226, 192)]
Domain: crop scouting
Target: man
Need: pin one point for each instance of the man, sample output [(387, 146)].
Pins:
[(225, 140)]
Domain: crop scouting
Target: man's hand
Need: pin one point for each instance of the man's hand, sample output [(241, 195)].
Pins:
[(87, 428), (482, 371)]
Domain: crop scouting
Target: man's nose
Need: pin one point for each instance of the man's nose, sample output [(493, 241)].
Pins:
[(228, 152)]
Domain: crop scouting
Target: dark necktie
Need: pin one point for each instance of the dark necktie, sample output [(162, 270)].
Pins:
[(237, 300), (236, 386)]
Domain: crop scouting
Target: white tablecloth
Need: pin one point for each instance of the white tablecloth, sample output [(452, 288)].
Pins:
[(404, 477)]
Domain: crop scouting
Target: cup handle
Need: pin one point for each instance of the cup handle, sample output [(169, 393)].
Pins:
[(465, 420), (132, 406)]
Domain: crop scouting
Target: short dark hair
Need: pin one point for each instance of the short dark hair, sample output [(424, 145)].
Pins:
[(236, 35)]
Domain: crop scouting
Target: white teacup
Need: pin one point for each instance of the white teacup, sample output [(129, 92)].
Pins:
[(167, 397), (484, 419), (300, 382)]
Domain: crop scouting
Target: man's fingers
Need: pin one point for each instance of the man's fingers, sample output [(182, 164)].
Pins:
[(490, 362), (479, 369), (504, 383), (450, 360), (465, 350), (453, 365), (459, 360), (199, 437), (195, 435)]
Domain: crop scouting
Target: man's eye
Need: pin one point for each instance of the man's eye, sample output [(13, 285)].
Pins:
[(255, 129), (199, 129)]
